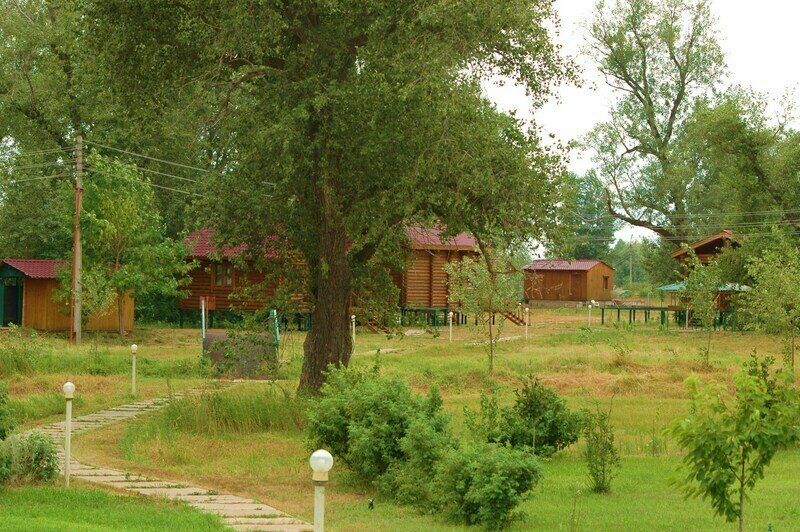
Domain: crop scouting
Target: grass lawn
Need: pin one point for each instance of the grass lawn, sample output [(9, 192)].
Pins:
[(640, 372), (34, 367), (57, 509)]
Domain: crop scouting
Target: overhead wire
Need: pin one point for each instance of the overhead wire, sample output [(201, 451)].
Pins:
[(134, 154), (36, 178), (109, 174)]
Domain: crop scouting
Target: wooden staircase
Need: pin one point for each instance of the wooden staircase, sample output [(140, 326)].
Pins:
[(517, 318)]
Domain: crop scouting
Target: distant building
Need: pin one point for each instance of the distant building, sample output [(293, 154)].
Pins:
[(569, 280), (424, 284), (706, 249), (27, 298)]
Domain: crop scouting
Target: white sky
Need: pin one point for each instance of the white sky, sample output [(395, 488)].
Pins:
[(759, 40)]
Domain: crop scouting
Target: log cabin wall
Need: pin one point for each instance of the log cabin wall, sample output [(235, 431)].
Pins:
[(564, 285), (41, 311), (425, 282), (600, 283), (218, 281)]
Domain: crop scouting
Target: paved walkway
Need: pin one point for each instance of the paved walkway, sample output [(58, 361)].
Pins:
[(237, 512)]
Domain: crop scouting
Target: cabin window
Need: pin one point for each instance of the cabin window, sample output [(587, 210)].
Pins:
[(223, 275), (606, 281)]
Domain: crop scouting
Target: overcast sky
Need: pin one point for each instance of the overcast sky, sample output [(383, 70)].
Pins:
[(760, 40)]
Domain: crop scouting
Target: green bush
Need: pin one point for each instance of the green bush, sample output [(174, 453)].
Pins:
[(7, 421), (28, 459), (362, 418), (484, 484), (539, 419)]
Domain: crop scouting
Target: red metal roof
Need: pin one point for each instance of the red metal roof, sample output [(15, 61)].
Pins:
[(578, 265), (426, 238), (36, 268)]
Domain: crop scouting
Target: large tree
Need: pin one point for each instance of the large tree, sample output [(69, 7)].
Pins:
[(51, 91), (658, 57), (345, 120), (592, 228)]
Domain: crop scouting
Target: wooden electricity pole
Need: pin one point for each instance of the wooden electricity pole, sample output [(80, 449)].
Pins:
[(77, 251), (631, 262)]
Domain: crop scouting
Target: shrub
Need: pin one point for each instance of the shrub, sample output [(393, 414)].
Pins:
[(28, 459), (484, 484), (602, 457), (19, 353), (362, 418), (243, 354), (7, 421), (539, 419)]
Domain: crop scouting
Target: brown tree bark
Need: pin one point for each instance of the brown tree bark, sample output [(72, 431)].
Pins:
[(120, 313), (328, 341)]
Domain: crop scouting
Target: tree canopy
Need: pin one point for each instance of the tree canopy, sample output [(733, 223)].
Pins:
[(342, 121)]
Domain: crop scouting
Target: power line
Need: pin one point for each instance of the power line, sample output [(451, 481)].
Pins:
[(148, 157), (38, 178), (35, 166), (94, 170), (712, 215), (42, 152), (156, 172)]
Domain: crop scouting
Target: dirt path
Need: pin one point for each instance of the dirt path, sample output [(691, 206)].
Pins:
[(237, 512)]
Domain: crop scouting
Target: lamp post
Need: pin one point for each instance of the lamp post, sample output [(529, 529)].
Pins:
[(353, 327), (134, 348), (321, 462), (527, 320), (450, 321), (590, 314), (69, 393)]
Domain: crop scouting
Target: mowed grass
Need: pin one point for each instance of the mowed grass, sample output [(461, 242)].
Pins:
[(57, 509), (638, 373)]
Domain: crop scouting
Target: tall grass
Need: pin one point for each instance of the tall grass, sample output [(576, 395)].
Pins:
[(239, 411), (24, 353)]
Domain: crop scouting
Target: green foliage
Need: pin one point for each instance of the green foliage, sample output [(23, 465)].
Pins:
[(602, 456), (701, 289), (774, 301), (592, 227), (344, 132), (28, 459), (730, 439), (485, 483), (661, 57), (486, 287), (245, 355), (126, 252), (7, 420), (538, 420), (362, 419)]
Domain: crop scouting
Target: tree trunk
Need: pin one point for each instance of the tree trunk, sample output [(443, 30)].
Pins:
[(120, 313), (328, 341), (741, 493), (792, 344)]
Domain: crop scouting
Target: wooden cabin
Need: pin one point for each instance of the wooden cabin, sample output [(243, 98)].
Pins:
[(27, 298), (216, 277), (425, 282), (565, 280), (706, 249), (422, 285)]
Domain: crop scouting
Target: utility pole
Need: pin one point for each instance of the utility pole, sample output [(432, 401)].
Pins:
[(631, 262), (77, 251)]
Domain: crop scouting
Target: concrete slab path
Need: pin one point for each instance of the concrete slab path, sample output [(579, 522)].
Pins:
[(238, 513)]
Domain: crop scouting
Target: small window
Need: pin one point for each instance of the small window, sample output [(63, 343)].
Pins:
[(223, 275), (606, 281)]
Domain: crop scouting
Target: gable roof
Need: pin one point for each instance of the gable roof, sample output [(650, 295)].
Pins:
[(201, 244), (36, 268), (722, 237), (422, 238), (577, 265)]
